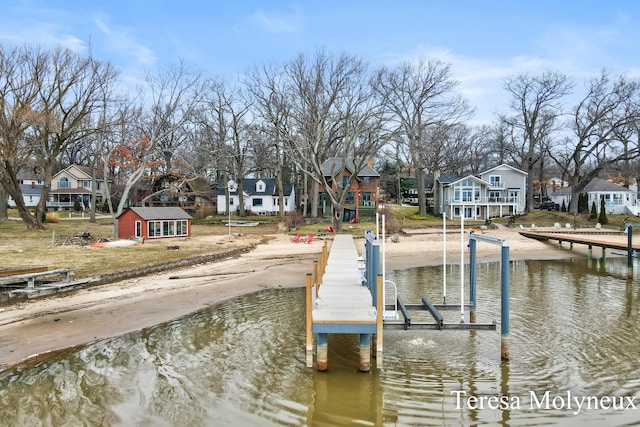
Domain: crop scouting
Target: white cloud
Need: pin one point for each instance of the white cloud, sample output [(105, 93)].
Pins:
[(122, 40), (279, 23)]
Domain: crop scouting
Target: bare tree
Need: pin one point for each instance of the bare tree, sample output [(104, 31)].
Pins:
[(272, 106), (224, 113), (48, 98), (336, 115), (604, 133), (537, 105), (174, 94), (420, 96)]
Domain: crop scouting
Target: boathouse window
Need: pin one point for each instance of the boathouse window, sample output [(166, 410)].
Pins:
[(168, 228), (182, 227), (138, 228)]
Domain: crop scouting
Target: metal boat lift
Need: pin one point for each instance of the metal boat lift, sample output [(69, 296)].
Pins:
[(392, 312)]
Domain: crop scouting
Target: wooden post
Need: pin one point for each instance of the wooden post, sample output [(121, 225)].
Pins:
[(365, 352), (316, 277), (322, 352), (309, 313)]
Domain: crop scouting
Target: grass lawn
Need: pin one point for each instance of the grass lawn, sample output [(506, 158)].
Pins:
[(56, 247)]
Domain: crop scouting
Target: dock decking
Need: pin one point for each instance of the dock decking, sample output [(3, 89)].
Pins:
[(341, 303), (573, 238)]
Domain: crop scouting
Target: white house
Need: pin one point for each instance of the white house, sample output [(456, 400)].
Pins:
[(494, 192), (617, 199), (260, 196), (31, 182)]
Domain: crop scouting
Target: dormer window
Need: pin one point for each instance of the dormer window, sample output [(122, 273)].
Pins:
[(260, 187)]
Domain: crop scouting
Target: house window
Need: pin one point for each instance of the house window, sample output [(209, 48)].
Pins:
[(155, 229), (494, 196), (138, 228), (366, 199), (456, 211), (168, 228), (257, 202), (495, 181), (349, 199), (182, 227), (260, 187), (366, 179), (63, 183), (345, 181)]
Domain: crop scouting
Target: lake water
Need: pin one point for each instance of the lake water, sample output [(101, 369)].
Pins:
[(574, 339)]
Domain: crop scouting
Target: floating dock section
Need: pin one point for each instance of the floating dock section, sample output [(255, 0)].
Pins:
[(342, 298)]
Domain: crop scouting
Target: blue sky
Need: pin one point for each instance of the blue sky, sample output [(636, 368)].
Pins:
[(484, 41)]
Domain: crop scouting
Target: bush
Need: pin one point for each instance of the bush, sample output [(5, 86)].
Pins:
[(294, 219), (594, 211), (602, 219), (52, 217)]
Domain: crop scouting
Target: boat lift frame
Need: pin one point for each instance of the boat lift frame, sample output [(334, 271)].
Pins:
[(434, 309)]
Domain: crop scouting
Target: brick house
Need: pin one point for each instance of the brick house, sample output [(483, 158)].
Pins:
[(362, 195)]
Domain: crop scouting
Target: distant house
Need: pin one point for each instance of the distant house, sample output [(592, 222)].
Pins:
[(494, 192), (173, 189), (260, 196), (362, 195), (154, 223), (411, 195), (72, 184), (31, 182), (617, 199)]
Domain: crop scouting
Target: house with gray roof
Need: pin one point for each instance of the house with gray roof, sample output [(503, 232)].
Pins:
[(362, 194), (617, 199), (495, 192), (153, 223), (260, 196)]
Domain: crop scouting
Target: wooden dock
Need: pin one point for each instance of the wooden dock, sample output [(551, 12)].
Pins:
[(339, 302), (24, 283), (588, 240)]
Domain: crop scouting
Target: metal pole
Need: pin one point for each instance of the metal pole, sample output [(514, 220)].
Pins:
[(629, 246), (472, 279), (462, 266), (444, 257), (504, 296), (384, 260)]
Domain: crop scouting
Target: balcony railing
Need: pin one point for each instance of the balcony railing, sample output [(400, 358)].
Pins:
[(486, 201)]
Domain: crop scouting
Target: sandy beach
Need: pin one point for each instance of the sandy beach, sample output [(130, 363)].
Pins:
[(33, 330)]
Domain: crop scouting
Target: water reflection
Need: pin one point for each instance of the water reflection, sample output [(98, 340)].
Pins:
[(574, 325)]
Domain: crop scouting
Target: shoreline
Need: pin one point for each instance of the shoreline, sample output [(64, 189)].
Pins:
[(37, 329)]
